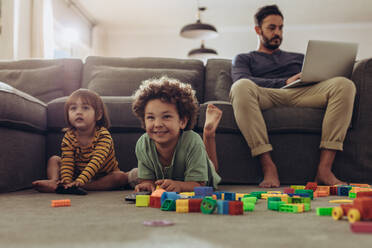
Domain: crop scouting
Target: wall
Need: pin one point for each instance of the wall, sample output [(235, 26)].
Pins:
[(231, 41)]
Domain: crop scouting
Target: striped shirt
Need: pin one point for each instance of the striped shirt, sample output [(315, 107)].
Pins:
[(84, 163)]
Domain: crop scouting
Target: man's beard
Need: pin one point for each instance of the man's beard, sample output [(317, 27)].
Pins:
[(270, 46)]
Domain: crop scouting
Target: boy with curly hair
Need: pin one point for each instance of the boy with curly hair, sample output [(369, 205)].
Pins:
[(170, 154)]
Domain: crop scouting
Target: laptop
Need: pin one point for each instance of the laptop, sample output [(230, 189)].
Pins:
[(325, 60)]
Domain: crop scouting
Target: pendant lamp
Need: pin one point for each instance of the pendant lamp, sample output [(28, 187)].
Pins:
[(202, 52), (199, 30)]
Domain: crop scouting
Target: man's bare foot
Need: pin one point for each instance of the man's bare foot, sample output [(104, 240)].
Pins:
[(270, 181), (326, 177), (45, 186), (212, 119)]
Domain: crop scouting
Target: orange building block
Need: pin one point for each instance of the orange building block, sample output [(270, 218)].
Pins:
[(61, 203)]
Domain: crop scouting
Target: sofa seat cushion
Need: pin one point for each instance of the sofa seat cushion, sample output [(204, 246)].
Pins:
[(19, 110), (278, 120), (119, 110)]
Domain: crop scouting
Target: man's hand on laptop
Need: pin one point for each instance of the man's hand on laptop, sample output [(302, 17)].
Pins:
[(293, 78)]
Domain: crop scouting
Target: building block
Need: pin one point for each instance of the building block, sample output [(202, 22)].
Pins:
[(169, 195), (208, 205), (235, 207), (222, 207), (229, 196), (274, 205), (297, 187), (182, 205), (248, 206), (158, 192), (361, 226), (168, 205), (239, 196), (188, 194), (258, 194), (251, 199), (362, 185), (203, 191), (311, 185), (61, 203), (194, 205), (310, 192), (290, 208), (218, 195), (343, 190), (364, 194), (142, 200), (155, 202), (289, 191), (333, 190), (324, 211)]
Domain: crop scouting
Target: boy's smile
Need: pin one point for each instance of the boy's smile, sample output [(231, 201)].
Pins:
[(163, 123)]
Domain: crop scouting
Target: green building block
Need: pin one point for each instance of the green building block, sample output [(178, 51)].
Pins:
[(251, 199), (352, 194), (274, 205), (168, 205), (305, 191), (324, 211), (208, 205), (288, 208), (248, 204), (258, 194)]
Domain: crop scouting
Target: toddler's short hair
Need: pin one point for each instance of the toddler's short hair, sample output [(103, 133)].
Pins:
[(168, 90)]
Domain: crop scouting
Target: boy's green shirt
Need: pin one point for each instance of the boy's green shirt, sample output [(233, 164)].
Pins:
[(190, 161)]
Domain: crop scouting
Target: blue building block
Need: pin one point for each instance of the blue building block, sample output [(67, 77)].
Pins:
[(203, 191), (343, 190), (222, 207), (229, 196), (169, 196)]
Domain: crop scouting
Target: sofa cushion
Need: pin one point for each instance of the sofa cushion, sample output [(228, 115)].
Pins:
[(223, 86), (21, 111), (124, 81), (119, 110), (142, 64), (217, 73), (278, 120), (36, 82), (43, 78)]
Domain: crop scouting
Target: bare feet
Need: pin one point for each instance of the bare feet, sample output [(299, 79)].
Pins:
[(271, 180), (45, 186), (212, 119), (271, 177), (327, 177)]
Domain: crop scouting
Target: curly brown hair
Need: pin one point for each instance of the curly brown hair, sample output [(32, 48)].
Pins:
[(93, 99), (168, 90)]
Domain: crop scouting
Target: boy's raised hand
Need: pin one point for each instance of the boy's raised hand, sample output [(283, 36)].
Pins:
[(169, 185)]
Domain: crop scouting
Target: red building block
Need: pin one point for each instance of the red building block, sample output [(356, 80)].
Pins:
[(235, 207), (288, 191), (194, 205), (361, 226), (364, 194), (311, 185), (333, 190), (155, 201)]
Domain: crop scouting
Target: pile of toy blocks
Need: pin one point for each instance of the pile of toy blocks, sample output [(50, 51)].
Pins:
[(203, 200)]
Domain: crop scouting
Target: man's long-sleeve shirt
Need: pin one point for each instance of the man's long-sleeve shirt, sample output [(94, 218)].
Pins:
[(267, 70)]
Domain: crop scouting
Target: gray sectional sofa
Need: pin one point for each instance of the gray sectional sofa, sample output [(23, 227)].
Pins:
[(33, 94)]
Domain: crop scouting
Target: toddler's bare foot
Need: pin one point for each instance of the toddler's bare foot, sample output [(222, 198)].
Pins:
[(326, 177), (45, 186), (212, 119)]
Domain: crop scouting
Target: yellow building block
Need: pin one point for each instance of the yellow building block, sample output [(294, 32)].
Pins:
[(142, 200), (298, 187), (182, 206)]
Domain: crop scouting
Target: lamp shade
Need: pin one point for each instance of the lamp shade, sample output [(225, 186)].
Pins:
[(202, 53), (198, 30)]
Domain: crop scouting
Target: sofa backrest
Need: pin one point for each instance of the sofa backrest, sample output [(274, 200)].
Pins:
[(110, 76), (42, 78), (217, 80)]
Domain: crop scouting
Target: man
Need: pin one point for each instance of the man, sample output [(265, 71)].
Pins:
[(258, 73)]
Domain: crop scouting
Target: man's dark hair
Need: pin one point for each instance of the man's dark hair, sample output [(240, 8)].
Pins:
[(266, 11)]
